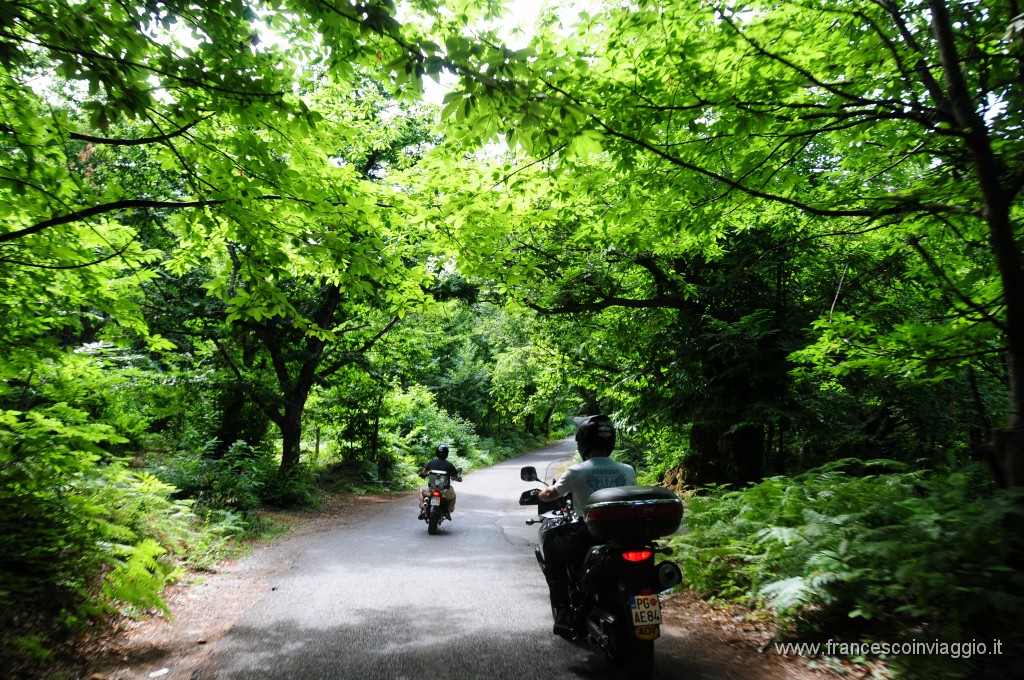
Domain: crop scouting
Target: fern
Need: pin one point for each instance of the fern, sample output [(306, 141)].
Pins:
[(138, 578), (906, 550)]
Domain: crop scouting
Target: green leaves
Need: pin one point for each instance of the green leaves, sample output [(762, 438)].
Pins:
[(894, 550), (152, 153), (765, 226), (138, 577)]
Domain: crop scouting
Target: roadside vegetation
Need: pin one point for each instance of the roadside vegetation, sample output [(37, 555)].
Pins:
[(869, 552), (244, 261)]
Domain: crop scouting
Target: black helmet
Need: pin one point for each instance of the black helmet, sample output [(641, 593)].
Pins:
[(442, 451), (595, 432)]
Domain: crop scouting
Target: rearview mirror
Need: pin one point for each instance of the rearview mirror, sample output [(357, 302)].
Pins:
[(528, 474)]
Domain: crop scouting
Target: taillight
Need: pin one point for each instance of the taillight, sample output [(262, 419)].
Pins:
[(436, 494), (637, 555)]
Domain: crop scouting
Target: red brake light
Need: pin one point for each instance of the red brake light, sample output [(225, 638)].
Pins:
[(637, 556), (435, 493)]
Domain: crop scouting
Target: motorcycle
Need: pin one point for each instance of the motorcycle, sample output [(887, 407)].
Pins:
[(614, 597), (435, 507)]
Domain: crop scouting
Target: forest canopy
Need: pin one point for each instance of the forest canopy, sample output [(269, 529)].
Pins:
[(242, 260)]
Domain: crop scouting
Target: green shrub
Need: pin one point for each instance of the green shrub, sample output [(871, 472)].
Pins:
[(56, 535), (238, 479), (415, 425), (292, 488), (897, 554), (82, 534)]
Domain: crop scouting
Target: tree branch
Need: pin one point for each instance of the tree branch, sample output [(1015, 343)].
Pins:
[(607, 303), (116, 253), (271, 412), (109, 141), (127, 204), (367, 346), (940, 273)]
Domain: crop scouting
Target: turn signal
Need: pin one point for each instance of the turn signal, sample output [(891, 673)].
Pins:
[(638, 556)]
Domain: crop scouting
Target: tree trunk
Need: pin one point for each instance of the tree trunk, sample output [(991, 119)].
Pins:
[(1007, 456), (291, 433), (1008, 444), (546, 423), (997, 194), (240, 419), (722, 457), (591, 405)]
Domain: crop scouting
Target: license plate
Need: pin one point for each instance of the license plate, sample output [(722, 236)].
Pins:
[(646, 610), (652, 632)]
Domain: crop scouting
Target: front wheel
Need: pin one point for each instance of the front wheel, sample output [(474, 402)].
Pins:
[(433, 519)]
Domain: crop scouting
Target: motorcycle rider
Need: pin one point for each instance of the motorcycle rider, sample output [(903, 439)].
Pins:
[(440, 463), (595, 439)]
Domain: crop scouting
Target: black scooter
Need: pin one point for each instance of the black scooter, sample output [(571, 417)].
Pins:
[(614, 596)]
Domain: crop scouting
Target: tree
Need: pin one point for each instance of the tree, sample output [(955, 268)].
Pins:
[(274, 169), (188, 185), (898, 123), (341, 286)]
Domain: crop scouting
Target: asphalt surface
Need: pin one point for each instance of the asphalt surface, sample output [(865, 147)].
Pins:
[(380, 598)]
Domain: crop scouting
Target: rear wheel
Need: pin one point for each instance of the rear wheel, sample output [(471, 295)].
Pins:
[(639, 660), (633, 657), (433, 519)]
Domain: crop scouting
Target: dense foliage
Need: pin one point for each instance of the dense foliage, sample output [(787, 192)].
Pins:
[(205, 234), (790, 235), (241, 261), (769, 215), (894, 555)]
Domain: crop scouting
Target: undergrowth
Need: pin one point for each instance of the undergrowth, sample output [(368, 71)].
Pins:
[(895, 555), (84, 537)]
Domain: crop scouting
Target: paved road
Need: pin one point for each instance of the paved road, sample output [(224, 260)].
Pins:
[(382, 599)]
